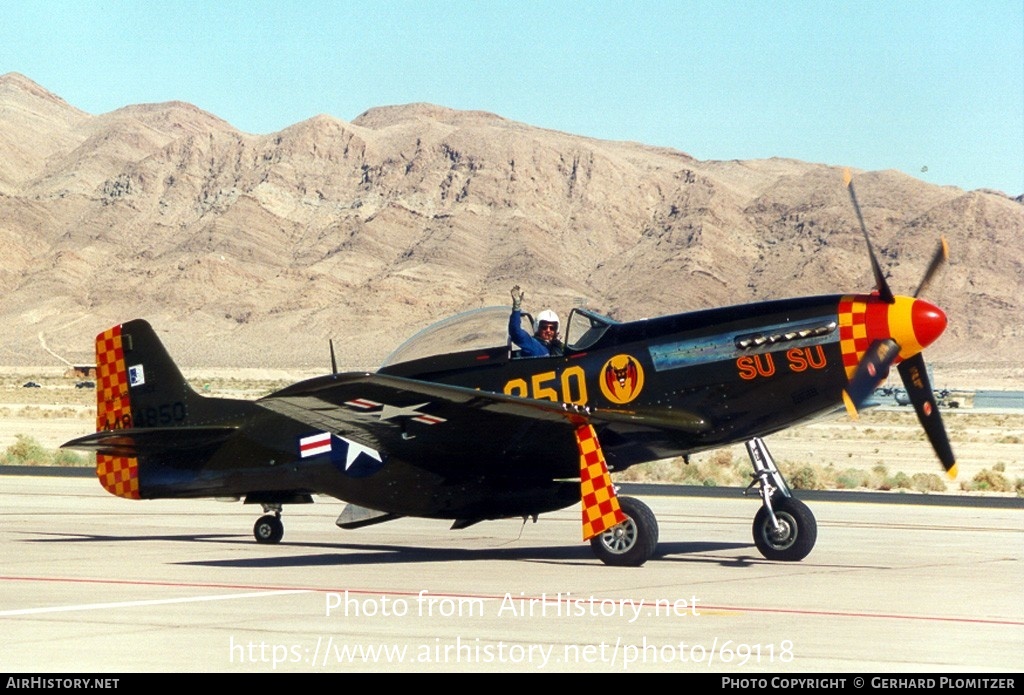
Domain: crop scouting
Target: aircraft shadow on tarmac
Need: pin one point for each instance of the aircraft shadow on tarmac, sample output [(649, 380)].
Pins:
[(358, 554), (56, 537), (371, 553)]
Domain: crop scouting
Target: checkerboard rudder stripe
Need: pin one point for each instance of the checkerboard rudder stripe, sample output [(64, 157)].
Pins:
[(118, 475), (601, 509), (113, 407)]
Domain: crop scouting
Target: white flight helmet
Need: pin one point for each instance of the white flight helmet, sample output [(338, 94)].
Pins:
[(547, 316)]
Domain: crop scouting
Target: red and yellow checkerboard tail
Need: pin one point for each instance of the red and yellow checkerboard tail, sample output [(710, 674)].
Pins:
[(119, 475), (601, 510)]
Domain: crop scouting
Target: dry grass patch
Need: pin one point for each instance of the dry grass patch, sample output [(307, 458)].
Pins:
[(26, 451)]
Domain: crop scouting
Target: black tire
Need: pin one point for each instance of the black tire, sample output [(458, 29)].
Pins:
[(268, 529), (797, 531), (631, 543)]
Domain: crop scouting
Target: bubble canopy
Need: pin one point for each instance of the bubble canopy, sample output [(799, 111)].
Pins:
[(487, 328)]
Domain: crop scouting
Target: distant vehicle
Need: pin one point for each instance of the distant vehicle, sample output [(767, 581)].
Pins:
[(31, 385), (85, 385), (942, 398)]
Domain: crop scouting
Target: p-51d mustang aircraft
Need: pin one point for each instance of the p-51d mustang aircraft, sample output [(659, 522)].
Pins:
[(483, 434)]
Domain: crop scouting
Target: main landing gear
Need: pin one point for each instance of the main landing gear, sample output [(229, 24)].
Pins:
[(631, 543), (269, 528), (784, 528)]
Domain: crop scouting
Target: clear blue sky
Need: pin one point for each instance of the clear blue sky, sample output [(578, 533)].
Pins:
[(933, 88)]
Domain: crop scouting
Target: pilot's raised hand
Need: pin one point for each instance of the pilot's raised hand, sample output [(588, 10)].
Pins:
[(517, 298)]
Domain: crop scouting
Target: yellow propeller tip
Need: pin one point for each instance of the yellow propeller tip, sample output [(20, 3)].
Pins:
[(952, 472), (847, 176), (850, 407)]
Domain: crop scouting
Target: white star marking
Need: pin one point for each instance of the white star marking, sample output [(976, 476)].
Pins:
[(355, 449), (390, 411)]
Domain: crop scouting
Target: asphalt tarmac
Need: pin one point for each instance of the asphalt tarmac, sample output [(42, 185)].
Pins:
[(92, 583)]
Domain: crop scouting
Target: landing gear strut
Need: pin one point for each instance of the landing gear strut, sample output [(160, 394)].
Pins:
[(784, 527), (269, 528)]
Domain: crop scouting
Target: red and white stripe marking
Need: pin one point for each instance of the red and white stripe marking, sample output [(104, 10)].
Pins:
[(315, 444), (363, 403)]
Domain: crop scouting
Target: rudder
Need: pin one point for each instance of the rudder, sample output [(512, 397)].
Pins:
[(119, 475)]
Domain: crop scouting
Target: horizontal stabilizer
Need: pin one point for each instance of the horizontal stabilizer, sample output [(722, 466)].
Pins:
[(133, 442)]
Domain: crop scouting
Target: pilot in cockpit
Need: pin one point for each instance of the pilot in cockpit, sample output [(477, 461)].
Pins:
[(545, 341)]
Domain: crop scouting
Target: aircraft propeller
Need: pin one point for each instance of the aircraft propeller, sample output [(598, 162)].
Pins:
[(881, 354), (883, 287), (940, 256)]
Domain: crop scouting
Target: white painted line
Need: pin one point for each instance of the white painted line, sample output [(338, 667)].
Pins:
[(150, 602)]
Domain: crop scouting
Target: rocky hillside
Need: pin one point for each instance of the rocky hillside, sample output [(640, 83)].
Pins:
[(253, 250)]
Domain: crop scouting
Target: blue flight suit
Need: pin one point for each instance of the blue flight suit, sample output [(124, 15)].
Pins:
[(529, 345)]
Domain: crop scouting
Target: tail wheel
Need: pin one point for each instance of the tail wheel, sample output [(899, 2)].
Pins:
[(268, 529), (796, 533), (631, 543)]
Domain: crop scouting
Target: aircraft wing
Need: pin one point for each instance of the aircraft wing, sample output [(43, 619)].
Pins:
[(448, 429)]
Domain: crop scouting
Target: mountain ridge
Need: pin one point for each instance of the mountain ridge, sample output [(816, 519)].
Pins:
[(253, 250)]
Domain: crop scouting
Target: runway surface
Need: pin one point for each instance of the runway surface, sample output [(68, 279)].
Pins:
[(93, 583)]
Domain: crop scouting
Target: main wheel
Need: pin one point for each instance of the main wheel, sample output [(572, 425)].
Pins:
[(268, 529), (795, 536), (631, 543)]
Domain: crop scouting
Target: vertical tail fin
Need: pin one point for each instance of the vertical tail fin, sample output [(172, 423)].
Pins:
[(153, 432), (138, 386)]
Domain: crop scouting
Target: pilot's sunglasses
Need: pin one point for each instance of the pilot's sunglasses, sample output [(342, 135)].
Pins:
[(544, 326)]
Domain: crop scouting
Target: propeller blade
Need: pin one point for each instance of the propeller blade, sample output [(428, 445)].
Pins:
[(940, 256), (919, 388), (883, 287), (334, 362), (872, 370)]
